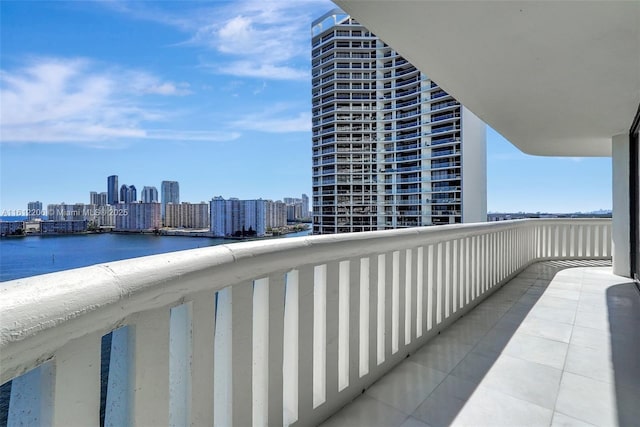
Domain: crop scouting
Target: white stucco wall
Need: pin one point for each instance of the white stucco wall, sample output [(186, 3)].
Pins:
[(621, 231), (474, 168)]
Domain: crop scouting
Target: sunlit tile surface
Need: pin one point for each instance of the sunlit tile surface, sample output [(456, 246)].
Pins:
[(558, 345)]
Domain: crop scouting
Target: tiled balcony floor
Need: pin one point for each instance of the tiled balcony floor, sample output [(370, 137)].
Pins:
[(558, 345)]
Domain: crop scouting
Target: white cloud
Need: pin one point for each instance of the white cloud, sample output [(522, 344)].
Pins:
[(78, 101), (269, 39), (144, 83), (262, 70), (274, 121), (256, 38)]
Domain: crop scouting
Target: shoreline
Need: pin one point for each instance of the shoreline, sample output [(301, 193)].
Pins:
[(162, 232)]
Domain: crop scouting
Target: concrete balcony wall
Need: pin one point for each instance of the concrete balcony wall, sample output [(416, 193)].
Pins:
[(278, 332)]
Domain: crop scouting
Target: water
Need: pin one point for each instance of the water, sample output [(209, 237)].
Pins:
[(34, 255)]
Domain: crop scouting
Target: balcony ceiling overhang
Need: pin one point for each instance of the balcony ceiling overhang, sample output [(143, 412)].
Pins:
[(555, 78)]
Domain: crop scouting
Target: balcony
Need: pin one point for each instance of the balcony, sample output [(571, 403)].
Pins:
[(289, 331), (556, 345)]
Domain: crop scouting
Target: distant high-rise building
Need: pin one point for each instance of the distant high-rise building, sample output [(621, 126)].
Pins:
[(139, 216), (295, 208), (149, 195), (132, 194), (34, 211), (65, 212), (187, 215), (305, 206), (170, 193), (112, 190), (391, 148), (123, 193), (276, 214), (128, 194), (233, 217), (98, 199)]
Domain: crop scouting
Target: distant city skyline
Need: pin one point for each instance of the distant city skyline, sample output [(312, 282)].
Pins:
[(151, 90)]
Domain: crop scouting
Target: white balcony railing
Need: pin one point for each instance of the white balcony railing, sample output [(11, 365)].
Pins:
[(258, 333)]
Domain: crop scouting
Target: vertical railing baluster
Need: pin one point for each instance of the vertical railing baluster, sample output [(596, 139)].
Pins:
[(409, 296), (477, 262), (446, 253), (149, 335), (483, 263), (332, 315), (461, 273), (420, 292), (202, 366), (260, 345), (180, 357), (581, 239), (242, 352), (439, 288), (76, 395), (467, 269), (454, 275), (291, 363), (319, 335), (356, 317), (305, 342), (376, 351), (343, 318), (276, 349), (397, 294), (367, 309), (430, 283), (383, 319)]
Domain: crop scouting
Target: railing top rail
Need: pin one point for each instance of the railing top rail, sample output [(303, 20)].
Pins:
[(39, 314)]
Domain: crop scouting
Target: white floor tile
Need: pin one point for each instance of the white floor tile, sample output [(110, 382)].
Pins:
[(587, 399), (536, 349), (407, 386), (524, 380), (562, 420), (488, 407), (546, 329), (366, 411)]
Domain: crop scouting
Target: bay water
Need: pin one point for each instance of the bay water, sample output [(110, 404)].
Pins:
[(34, 255)]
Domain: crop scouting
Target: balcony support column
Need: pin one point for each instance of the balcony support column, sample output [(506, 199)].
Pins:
[(621, 231)]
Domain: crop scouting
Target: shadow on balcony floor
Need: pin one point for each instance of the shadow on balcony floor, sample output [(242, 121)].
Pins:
[(557, 345)]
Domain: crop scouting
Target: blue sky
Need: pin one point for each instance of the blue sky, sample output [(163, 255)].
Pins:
[(215, 95)]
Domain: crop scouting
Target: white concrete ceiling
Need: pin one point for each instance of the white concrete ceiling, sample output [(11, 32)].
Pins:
[(556, 78)]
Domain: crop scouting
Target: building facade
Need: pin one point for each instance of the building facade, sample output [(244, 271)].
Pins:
[(391, 149), (128, 194), (170, 193), (112, 190), (98, 199), (187, 215), (149, 195), (34, 211), (66, 226), (8, 228), (137, 216), (305, 206), (234, 217), (275, 214)]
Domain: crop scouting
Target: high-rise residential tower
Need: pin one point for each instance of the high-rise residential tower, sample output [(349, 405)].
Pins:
[(170, 193), (305, 206), (112, 190), (98, 199), (391, 148), (34, 210), (149, 195)]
